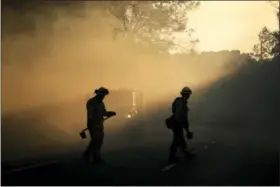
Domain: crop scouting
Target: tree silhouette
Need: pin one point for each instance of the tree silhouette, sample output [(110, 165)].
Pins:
[(146, 22), (263, 50), (269, 42), (149, 22), (276, 34)]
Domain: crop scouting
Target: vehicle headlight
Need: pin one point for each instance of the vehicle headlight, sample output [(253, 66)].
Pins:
[(129, 116)]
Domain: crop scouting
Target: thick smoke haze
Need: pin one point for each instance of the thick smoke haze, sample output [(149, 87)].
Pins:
[(69, 56), (52, 66)]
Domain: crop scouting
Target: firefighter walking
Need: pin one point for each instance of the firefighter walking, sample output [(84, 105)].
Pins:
[(179, 123), (96, 111)]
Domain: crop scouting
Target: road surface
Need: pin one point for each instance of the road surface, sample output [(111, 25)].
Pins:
[(217, 163)]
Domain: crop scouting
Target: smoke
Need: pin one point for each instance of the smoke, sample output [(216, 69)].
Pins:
[(67, 56), (54, 58)]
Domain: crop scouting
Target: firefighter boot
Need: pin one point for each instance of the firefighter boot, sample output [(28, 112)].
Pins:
[(97, 158), (188, 154), (87, 158), (173, 159)]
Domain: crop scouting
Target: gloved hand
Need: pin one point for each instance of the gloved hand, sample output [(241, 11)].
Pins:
[(189, 135), (111, 113)]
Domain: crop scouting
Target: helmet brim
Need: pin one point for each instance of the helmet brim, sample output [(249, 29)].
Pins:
[(186, 93), (101, 92)]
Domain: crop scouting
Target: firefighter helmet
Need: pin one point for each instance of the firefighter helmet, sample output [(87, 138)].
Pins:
[(186, 90), (101, 91)]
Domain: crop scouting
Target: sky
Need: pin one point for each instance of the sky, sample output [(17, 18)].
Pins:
[(230, 25)]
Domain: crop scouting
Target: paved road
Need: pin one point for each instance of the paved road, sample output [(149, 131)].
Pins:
[(217, 163)]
